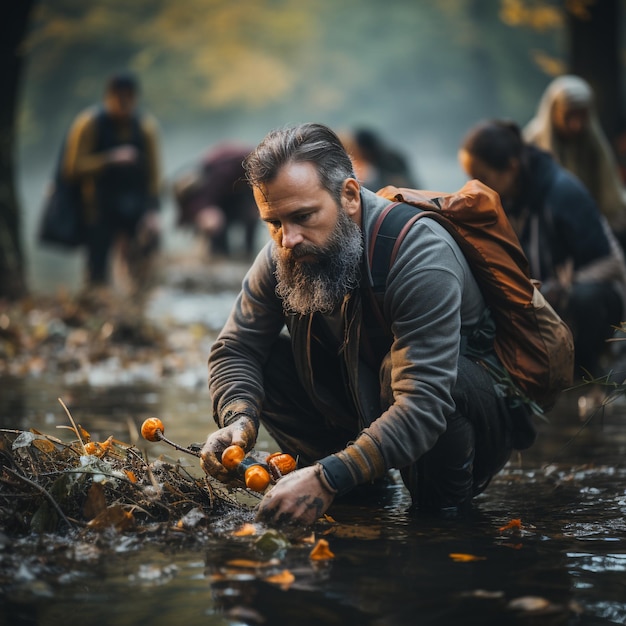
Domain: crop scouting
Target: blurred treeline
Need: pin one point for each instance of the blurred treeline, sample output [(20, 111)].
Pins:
[(418, 71)]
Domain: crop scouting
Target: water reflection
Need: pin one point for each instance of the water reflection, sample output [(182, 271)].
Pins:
[(564, 566)]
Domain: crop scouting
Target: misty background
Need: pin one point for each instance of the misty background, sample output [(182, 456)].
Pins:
[(419, 73)]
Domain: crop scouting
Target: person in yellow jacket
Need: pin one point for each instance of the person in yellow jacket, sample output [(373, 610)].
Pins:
[(112, 152)]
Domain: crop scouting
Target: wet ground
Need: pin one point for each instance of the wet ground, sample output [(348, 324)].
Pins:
[(545, 544)]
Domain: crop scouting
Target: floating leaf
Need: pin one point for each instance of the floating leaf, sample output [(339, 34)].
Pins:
[(356, 531), (514, 524), (321, 551), (246, 530), (250, 564), (459, 557), (283, 579), (529, 603)]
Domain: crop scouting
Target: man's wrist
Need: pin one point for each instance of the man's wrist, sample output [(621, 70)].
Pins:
[(323, 478), (336, 475), (236, 410)]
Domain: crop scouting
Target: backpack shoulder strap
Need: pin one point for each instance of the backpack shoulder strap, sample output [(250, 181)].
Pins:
[(389, 230), (387, 235)]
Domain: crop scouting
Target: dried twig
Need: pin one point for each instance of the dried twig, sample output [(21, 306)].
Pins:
[(33, 484)]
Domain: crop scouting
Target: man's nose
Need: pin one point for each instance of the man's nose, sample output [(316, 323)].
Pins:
[(292, 236)]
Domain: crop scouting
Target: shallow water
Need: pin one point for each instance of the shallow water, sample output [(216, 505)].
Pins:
[(565, 564)]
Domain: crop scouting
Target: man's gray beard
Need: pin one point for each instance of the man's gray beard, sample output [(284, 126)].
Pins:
[(319, 286)]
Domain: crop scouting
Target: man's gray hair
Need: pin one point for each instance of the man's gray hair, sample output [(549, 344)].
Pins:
[(313, 143)]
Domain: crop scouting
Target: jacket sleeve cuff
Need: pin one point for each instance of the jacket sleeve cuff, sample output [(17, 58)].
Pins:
[(234, 410), (337, 475), (359, 463)]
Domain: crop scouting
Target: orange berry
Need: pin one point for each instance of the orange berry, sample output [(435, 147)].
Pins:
[(91, 447), (152, 429), (280, 463), (232, 456), (257, 478)]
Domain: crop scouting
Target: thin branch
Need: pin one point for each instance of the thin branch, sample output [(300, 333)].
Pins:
[(52, 501)]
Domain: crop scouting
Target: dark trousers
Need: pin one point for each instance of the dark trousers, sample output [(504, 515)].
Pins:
[(592, 312), (475, 446), (100, 237)]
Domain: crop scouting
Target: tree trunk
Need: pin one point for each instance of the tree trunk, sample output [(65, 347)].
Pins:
[(13, 27), (594, 54)]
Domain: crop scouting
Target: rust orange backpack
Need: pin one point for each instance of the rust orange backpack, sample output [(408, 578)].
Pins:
[(533, 343)]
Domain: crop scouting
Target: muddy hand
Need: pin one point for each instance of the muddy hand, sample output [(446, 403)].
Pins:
[(301, 497), (241, 432)]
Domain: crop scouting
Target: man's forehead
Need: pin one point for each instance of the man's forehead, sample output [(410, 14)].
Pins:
[(298, 179)]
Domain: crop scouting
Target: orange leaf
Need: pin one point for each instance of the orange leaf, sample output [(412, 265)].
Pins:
[(114, 516), (250, 564), (95, 502), (321, 551), (284, 579), (514, 524), (459, 557), (245, 531)]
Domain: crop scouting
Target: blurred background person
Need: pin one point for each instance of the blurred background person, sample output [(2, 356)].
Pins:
[(569, 245), (113, 153), (216, 196), (567, 125), (377, 164)]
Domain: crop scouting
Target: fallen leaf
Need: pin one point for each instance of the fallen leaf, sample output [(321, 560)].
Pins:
[(529, 603), (321, 551), (44, 445), (514, 524), (95, 503), (114, 516), (245, 531), (346, 531), (284, 579), (250, 564), (459, 557)]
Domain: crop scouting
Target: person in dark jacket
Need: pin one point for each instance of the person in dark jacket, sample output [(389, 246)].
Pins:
[(377, 164), (215, 197), (293, 354), (567, 240), (112, 152)]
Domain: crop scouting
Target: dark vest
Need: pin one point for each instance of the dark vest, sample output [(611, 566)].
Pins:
[(122, 191)]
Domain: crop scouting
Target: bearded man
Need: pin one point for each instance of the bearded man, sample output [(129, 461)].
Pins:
[(296, 353)]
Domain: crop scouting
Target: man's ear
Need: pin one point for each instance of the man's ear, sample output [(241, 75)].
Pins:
[(351, 197)]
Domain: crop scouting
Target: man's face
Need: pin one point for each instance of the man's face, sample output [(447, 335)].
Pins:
[(121, 103), (502, 181), (318, 245)]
